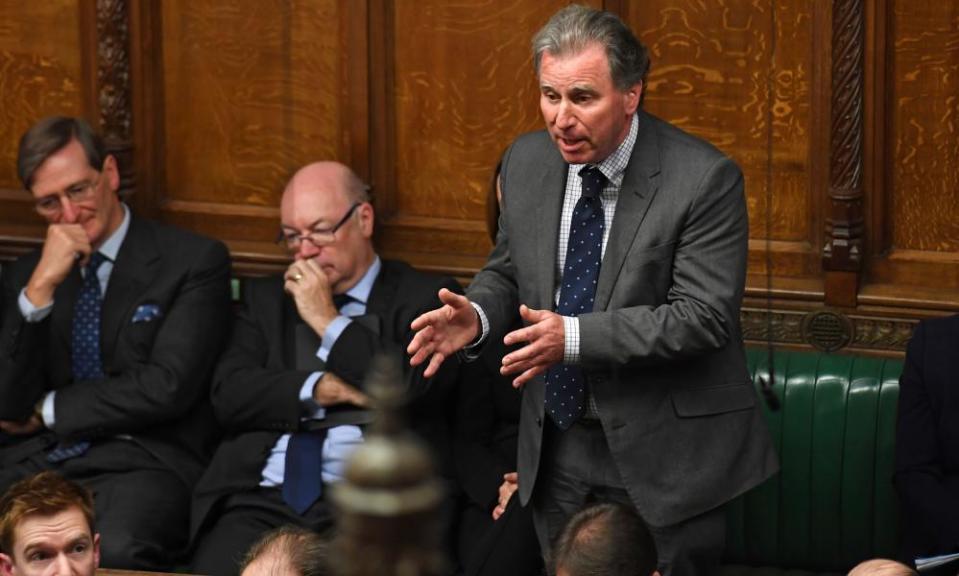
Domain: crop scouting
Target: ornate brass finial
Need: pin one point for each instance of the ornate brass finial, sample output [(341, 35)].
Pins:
[(388, 503)]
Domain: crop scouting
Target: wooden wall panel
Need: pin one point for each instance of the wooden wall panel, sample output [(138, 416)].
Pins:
[(251, 91), (917, 231), (460, 88), (214, 105), (40, 75), (743, 75)]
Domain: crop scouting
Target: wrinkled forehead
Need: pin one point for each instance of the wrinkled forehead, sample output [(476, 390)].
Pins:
[(308, 204), (50, 529)]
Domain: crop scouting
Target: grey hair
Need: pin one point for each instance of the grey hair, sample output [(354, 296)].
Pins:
[(574, 28), (50, 135), (356, 189)]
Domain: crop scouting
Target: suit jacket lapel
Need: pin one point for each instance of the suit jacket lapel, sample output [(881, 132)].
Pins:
[(640, 184), (383, 292), (551, 187), (137, 263)]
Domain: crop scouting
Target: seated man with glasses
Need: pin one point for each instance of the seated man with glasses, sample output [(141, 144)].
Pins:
[(108, 338), (288, 390)]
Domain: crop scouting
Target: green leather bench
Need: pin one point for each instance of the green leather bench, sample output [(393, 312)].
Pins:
[(832, 505)]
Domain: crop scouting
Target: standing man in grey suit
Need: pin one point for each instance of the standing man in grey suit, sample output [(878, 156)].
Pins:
[(622, 246), (108, 338)]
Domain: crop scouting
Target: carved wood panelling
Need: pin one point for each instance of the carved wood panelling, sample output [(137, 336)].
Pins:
[(744, 75), (915, 256), (843, 248), (459, 88), (211, 106), (249, 92), (40, 75), (829, 330)]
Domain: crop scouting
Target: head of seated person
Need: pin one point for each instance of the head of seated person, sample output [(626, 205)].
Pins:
[(288, 551), (47, 527), (881, 567), (605, 539)]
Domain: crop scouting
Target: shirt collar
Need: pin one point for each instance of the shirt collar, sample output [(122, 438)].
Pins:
[(361, 290), (111, 246)]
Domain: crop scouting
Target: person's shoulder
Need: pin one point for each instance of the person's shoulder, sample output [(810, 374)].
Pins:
[(18, 272), (261, 288), (674, 141), (535, 139), (174, 234), (415, 280), (939, 327), (176, 242)]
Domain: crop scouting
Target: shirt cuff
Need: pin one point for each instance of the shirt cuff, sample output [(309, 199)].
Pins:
[(311, 409), (30, 312), (46, 411), (472, 350), (571, 340), (331, 335)]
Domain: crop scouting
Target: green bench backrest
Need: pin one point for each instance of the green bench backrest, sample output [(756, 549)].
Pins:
[(832, 504)]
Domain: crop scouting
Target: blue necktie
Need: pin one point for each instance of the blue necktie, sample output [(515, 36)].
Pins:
[(87, 364), (565, 385), (303, 471)]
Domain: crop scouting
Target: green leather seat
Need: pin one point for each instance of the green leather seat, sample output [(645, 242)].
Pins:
[(832, 505)]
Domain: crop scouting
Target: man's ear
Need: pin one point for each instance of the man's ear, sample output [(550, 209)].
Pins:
[(96, 551), (367, 218), (6, 565), (632, 97), (112, 172)]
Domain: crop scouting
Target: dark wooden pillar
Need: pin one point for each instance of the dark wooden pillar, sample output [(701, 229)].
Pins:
[(843, 251), (113, 100)]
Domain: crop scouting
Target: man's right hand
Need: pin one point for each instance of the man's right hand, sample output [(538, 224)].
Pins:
[(506, 490), (442, 332), (331, 390), (64, 246)]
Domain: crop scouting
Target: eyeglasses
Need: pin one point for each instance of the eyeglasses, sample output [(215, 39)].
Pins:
[(318, 238), (52, 205)]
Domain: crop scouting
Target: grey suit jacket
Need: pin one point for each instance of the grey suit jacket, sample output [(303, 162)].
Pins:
[(662, 349)]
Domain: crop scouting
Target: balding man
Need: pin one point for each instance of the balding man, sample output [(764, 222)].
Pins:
[(289, 388)]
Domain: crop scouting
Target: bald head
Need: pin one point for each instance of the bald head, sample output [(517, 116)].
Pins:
[(327, 206), (327, 178)]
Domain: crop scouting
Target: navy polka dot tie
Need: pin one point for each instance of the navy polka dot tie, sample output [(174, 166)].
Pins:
[(87, 364), (565, 385)]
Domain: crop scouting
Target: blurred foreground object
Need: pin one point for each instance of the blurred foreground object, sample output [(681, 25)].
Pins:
[(388, 503)]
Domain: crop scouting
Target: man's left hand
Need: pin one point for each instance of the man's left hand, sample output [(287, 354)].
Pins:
[(29, 426), (545, 336)]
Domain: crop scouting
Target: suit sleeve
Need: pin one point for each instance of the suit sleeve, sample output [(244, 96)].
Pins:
[(352, 355), (249, 392), (22, 379), (701, 309), (494, 287), (176, 372), (928, 495)]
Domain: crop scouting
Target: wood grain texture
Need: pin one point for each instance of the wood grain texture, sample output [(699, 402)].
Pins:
[(39, 71), (741, 75), (463, 89), (924, 137), (252, 91)]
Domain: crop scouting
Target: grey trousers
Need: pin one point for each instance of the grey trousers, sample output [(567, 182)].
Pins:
[(578, 470)]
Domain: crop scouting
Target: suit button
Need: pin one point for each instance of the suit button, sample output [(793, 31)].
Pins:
[(539, 421)]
